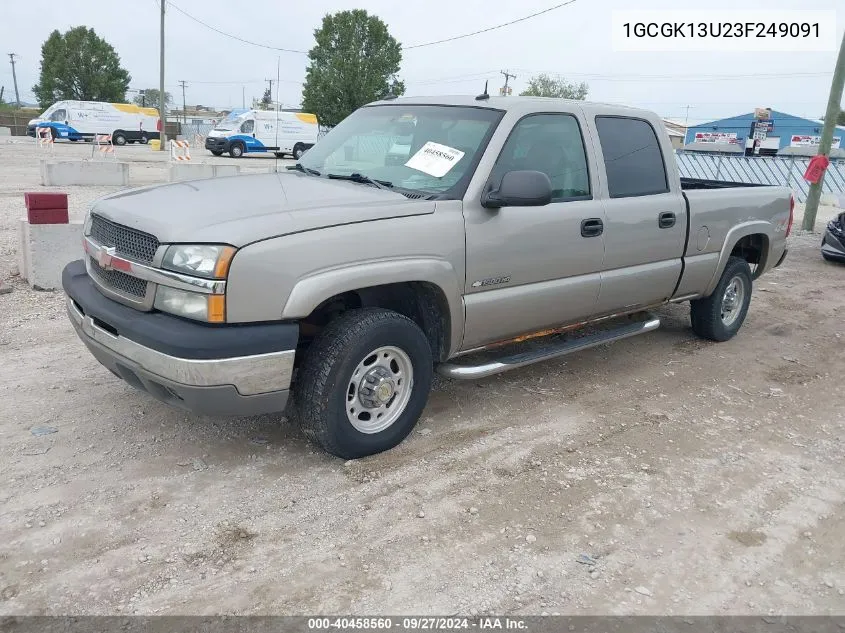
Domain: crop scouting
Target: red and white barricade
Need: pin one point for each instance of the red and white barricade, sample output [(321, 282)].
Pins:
[(180, 150)]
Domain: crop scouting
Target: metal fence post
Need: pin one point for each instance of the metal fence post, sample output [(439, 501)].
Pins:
[(719, 166)]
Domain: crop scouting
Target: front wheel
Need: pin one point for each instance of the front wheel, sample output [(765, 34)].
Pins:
[(298, 151), (236, 150), (216, 153), (719, 316), (118, 138), (364, 382)]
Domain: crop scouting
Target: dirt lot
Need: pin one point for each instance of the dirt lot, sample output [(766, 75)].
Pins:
[(660, 475)]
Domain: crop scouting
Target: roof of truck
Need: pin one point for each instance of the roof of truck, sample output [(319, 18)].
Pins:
[(505, 103)]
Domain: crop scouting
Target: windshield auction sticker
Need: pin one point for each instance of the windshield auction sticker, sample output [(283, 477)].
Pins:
[(435, 159)]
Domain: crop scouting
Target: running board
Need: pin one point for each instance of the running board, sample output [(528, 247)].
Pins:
[(568, 346)]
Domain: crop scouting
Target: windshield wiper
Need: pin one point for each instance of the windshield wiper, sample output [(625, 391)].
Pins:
[(304, 170), (356, 177)]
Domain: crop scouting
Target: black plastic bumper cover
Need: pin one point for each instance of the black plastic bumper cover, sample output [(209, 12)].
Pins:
[(174, 336)]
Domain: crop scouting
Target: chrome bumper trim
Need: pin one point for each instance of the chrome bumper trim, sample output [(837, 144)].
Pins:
[(148, 273), (250, 375)]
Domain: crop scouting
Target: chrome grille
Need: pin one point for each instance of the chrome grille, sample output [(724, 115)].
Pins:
[(130, 243), (118, 281)]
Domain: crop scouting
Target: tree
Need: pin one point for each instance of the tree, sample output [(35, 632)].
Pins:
[(82, 66), (266, 102), (545, 86), (355, 61), (150, 98)]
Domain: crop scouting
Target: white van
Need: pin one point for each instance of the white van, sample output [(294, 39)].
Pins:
[(76, 120), (247, 131)]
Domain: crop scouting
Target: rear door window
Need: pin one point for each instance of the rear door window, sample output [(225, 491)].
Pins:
[(632, 157)]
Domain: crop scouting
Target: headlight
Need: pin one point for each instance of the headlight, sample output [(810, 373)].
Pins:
[(203, 260), (191, 305)]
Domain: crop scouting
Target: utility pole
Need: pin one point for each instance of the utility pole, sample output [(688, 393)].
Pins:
[(508, 76), (833, 104), (184, 107), (243, 97), (162, 113), (15, 80)]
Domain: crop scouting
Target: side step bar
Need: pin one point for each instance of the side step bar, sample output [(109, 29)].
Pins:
[(569, 346)]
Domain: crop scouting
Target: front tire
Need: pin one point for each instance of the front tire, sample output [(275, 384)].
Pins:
[(298, 151), (118, 138), (216, 153), (236, 150), (719, 316), (364, 382)]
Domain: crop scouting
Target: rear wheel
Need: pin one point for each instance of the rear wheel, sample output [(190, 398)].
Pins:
[(298, 151), (719, 316), (364, 382), (236, 150), (144, 139), (118, 138), (278, 154)]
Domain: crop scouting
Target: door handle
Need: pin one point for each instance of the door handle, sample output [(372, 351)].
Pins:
[(592, 227), (666, 220)]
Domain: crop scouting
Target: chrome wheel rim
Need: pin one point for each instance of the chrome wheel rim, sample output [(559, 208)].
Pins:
[(379, 389), (733, 300)]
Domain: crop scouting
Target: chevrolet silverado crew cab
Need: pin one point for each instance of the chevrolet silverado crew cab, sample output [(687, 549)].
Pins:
[(510, 231)]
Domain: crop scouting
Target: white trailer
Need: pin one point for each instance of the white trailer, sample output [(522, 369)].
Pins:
[(248, 131), (77, 120)]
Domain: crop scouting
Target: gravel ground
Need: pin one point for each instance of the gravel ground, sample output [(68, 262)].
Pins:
[(660, 475)]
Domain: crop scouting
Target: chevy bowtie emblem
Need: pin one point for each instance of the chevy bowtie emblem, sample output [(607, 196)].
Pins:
[(104, 258)]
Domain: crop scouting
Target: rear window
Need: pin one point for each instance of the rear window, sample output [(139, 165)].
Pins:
[(632, 157)]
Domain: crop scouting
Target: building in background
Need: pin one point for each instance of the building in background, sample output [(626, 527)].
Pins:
[(762, 132), (676, 132)]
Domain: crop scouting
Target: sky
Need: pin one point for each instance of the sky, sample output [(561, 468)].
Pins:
[(573, 41)]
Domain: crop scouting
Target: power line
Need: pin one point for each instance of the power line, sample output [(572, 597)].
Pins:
[(234, 37), (421, 45), (490, 28)]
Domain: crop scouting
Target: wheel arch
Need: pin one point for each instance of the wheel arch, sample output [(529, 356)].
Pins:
[(425, 290), (747, 240)]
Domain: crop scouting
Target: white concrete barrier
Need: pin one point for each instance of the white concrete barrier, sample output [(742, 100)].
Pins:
[(5, 131), (177, 172), (45, 249), (59, 173)]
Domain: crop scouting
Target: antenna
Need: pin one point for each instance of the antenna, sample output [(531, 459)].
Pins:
[(484, 95)]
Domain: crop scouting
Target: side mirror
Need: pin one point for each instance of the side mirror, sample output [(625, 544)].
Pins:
[(519, 189)]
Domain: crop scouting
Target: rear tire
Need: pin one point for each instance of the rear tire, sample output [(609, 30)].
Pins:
[(144, 140), (298, 151), (236, 150), (278, 154), (118, 138), (363, 383), (719, 316)]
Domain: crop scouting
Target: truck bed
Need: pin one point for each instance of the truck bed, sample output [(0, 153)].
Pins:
[(702, 183)]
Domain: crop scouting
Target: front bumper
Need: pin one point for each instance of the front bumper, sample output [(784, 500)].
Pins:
[(217, 144), (214, 370)]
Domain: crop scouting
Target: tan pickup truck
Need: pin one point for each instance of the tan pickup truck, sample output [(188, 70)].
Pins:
[(419, 235)]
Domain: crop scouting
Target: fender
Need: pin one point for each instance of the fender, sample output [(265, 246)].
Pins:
[(731, 240), (312, 290)]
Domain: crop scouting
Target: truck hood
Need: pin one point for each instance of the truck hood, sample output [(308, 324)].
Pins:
[(238, 210)]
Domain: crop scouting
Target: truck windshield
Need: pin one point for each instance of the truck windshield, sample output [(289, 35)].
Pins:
[(227, 126), (420, 148)]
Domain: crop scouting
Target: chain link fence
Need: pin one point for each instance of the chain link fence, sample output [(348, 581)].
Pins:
[(770, 170)]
